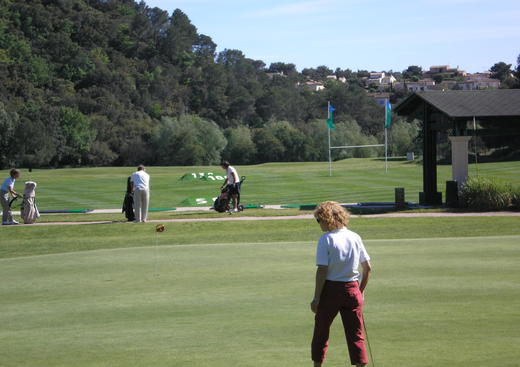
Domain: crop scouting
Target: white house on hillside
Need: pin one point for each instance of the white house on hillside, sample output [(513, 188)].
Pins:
[(478, 76), (419, 86), (380, 80), (481, 83), (313, 86), (334, 77)]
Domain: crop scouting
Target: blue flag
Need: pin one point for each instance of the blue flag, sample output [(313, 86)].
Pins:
[(388, 114), (330, 119)]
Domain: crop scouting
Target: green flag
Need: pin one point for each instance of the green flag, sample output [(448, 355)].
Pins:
[(388, 115), (330, 119)]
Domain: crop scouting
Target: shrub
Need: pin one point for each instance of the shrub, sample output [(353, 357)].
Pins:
[(515, 198), (480, 193)]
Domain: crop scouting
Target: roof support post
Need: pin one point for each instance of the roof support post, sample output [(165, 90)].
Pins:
[(429, 196), (459, 158)]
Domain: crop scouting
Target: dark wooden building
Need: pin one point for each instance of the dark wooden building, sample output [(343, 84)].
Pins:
[(455, 112)]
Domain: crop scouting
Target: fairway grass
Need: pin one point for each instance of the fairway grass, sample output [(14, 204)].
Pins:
[(18, 241), (353, 180), (431, 302), (444, 290)]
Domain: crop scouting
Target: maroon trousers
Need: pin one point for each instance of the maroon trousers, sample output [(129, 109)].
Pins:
[(346, 299)]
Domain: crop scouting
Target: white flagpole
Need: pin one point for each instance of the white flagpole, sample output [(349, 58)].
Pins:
[(386, 139), (386, 150), (328, 131), (475, 139)]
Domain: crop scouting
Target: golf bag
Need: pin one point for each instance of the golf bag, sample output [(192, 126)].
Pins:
[(128, 202), (29, 210), (221, 203)]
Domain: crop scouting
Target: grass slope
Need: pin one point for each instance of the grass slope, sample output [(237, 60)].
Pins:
[(353, 180)]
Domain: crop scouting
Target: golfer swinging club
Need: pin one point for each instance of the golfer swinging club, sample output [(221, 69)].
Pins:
[(338, 256), (232, 184)]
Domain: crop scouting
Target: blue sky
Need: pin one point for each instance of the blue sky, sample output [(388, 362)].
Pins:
[(369, 35)]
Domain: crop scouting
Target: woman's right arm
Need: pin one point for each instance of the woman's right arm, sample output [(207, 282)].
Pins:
[(12, 192), (366, 274)]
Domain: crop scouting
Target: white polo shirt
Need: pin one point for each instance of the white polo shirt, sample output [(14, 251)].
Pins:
[(231, 173), (141, 180), (342, 251)]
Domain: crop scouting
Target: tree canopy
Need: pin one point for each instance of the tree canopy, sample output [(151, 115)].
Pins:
[(116, 82)]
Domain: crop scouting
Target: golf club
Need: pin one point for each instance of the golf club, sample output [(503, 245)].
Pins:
[(368, 341)]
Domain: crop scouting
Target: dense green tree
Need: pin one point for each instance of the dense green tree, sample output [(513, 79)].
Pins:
[(179, 38), (501, 71), (517, 72), (38, 143), (8, 126), (77, 135), (269, 147), (280, 141), (281, 67), (318, 73), (403, 138), (412, 72), (188, 140), (240, 148), (348, 133)]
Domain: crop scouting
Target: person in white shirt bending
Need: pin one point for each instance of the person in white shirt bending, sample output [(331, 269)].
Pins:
[(6, 190), (141, 192), (232, 183)]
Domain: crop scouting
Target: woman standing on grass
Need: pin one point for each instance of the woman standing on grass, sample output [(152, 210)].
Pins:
[(338, 288)]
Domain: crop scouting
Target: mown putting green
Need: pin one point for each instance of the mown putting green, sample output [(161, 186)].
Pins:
[(431, 302), (353, 180)]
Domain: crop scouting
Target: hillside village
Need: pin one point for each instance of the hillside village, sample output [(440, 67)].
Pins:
[(380, 85)]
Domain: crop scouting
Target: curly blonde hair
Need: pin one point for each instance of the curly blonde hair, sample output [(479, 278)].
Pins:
[(332, 214)]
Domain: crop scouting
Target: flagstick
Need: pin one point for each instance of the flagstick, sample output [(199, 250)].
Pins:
[(328, 131), (386, 138), (475, 139), (330, 158), (386, 149)]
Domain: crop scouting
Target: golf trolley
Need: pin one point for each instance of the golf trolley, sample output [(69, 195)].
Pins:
[(28, 209), (221, 203)]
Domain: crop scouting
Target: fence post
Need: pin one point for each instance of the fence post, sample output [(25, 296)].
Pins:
[(399, 198)]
